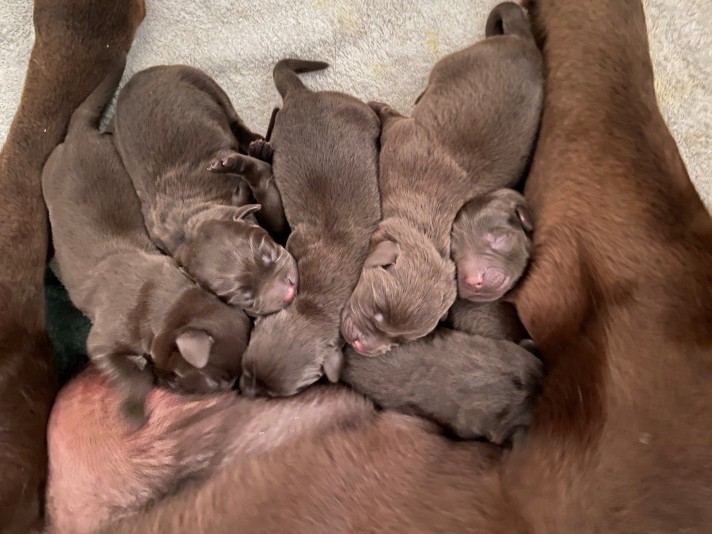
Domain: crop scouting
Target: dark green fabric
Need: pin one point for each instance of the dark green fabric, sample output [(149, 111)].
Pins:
[(67, 327)]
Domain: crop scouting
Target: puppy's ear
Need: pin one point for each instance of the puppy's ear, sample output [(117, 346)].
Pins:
[(244, 211), (525, 217), (194, 346), (333, 362), (383, 254)]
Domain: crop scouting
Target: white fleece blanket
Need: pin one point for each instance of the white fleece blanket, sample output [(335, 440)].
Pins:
[(378, 49)]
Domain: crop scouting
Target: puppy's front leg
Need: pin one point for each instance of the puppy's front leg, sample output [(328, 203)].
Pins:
[(257, 172)]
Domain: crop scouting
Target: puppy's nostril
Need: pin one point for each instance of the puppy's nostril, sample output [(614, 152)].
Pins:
[(474, 282)]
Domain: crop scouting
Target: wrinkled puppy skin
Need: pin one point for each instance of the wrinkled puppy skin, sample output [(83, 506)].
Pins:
[(189, 164), (491, 245), (325, 166), (471, 132), (139, 301), (77, 42)]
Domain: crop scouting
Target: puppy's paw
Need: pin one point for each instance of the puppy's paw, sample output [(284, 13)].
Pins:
[(135, 414), (261, 150), (225, 164)]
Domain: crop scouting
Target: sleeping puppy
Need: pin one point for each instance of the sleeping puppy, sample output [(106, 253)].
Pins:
[(491, 245), (326, 169), (474, 378), (470, 133), (174, 124), (146, 314), (474, 386)]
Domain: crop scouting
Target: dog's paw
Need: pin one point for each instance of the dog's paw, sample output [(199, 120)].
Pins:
[(225, 164), (261, 150)]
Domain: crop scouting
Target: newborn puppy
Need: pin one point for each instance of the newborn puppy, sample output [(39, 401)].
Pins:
[(139, 302), (326, 169), (474, 386), (471, 132), (173, 125), (478, 382), (491, 245)]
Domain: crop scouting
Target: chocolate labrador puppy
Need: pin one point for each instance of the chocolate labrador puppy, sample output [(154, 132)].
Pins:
[(174, 124), (471, 132), (491, 245), (76, 42), (326, 169), (139, 302), (474, 386), (472, 378)]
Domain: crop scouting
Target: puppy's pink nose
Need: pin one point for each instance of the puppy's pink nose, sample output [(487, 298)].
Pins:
[(358, 345), (290, 294), (475, 282)]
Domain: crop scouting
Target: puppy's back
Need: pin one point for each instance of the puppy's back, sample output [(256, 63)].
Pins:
[(170, 116), (484, 102), (92, 206), (326, 155)]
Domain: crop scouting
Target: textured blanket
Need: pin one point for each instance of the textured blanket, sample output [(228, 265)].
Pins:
[(379, 49)]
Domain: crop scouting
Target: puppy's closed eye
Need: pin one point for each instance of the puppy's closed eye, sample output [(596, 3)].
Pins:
[(500, 241)]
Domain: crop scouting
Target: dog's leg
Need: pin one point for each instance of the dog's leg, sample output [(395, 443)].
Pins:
[(258, 174), (76, 42)]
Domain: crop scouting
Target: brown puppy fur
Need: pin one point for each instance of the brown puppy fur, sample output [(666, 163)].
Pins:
[(190, 211), (474, 386), (471, 132), (76, 41), (326, 169), (491, 245), (138, 300), (620, 441), (478, 382), (497, 320)]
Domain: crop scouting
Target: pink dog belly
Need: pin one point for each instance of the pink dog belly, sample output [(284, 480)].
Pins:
[(98, 470)]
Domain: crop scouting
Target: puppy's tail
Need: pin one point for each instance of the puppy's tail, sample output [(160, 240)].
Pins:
[(508, 19), (88, 114), (285, 73)]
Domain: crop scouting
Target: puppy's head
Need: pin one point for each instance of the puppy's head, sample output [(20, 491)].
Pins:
[(200, 347), (239, 262), (491, 244), (405, 289), (288, 351)]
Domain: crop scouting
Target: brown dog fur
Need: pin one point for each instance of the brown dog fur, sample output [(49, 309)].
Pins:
[(620, 441), (474, 386), (189, 210), (491, 245), (619, 294), (185, 441), (473, 379), (326, 169), (76, 42), (139, 302), (471, 132)]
